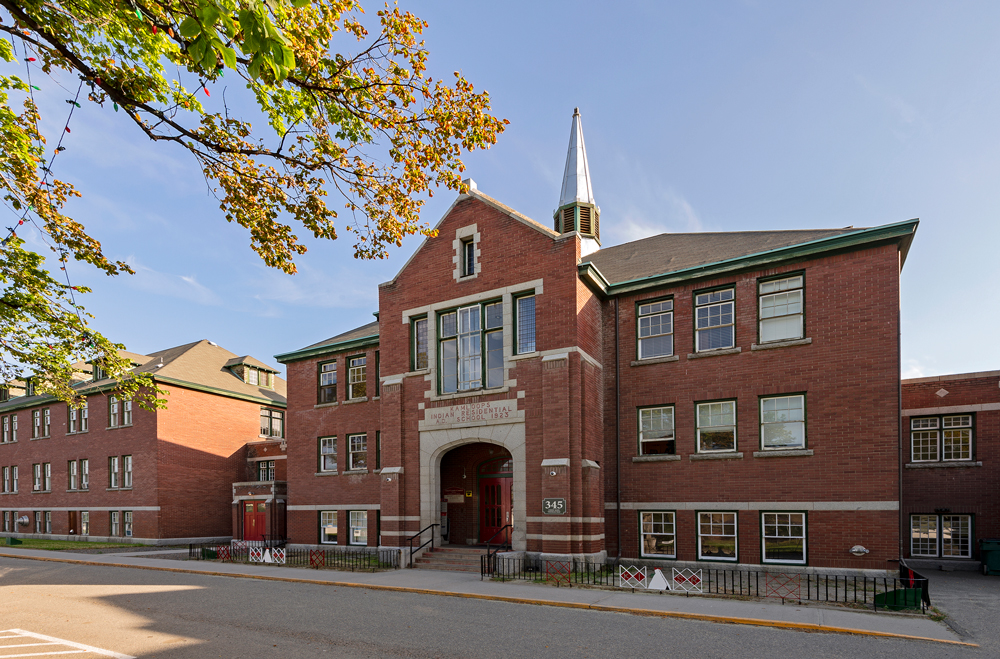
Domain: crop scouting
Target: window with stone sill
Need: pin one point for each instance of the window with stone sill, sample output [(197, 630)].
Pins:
[(780, 308), (715, 327), (717, 538), (357, 377), (358, 448), (942, 438), (655, 330), (358, 527), (658, 534), (941, 536), (463, 334), (716, 427), (272, 423), (327, 382), (656, 431), (265, 470), (328, 454), (782, 423)]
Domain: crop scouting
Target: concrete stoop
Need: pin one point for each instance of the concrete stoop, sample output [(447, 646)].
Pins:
[(452, 559)]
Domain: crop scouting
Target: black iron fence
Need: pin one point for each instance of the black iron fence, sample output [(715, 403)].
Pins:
[(365, 560), (909, 590)]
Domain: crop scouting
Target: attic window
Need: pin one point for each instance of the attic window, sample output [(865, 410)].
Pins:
[(4, 394), (99, 373), (252, 376), (257, 377), (29, 387)]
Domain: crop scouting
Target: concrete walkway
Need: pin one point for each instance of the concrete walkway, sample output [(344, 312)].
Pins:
[(455, 584)]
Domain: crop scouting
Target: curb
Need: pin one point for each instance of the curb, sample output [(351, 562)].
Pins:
[(704, 617)]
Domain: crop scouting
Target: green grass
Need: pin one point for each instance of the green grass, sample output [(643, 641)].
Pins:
[(62, 545)]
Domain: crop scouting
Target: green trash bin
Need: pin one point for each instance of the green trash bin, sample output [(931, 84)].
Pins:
[(989, 554), (14, 541), (897, 600)]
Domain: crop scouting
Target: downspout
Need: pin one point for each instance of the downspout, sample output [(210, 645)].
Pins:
[(899, 415), (618, 453)]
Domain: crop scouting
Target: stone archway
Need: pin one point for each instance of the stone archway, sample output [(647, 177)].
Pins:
[(434, 444)]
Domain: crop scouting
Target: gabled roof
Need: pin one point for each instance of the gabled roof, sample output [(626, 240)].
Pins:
[(250, 361), (671, 257), (355, 338), (200, 365)]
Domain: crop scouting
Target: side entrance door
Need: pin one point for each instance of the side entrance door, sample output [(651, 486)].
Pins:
[(494, 506), (253, 520)]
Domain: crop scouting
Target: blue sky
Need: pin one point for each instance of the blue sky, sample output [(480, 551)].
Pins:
[(721, 116)]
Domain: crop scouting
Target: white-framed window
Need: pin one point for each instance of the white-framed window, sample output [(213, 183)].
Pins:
[(84, 474), (359, 527), (128, 523), (784, 537), (113, 471), (462, 334), (945, 536), (717, 539), (782, 422), (328, 454), (85, 522), (418, 331), (714, 320), (5, 436), (946, 438), (358, 447), (265, 470), (525, 311), (6, 480), (13, 479), (114, 412), (13, 427), (71, 469), (38, 521), (327, 382), (658, 534), (252, 376), (126, 412), (47, 476), (72, 420), (36, 477), (36, 424), (272, 423), (357, 377), (655, 329), (83, 416), (780, 307), (126, 471), (6, 521), (46, 422), (716, 426), (115, 523), (328, 527), (656, 430), (48, 521)]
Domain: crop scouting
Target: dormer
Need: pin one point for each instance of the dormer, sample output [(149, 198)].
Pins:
[(252, 371)]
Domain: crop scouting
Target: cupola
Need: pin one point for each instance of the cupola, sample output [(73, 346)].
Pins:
[(577, 210)]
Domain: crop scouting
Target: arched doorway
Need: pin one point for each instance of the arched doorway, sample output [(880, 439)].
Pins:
[(476, 492)]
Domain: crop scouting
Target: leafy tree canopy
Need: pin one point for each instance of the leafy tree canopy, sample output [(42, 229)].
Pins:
[(367, 124)]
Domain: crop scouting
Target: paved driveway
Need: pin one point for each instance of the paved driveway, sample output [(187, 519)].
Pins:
[(972, 603)]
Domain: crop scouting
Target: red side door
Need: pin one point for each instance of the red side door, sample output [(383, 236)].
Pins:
[(253, 520), (494, 506)]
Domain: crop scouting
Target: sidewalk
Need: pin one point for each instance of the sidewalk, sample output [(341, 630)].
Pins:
[(458, 584)]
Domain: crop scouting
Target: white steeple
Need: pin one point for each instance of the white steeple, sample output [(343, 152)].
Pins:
[(577, 210), (576, 177)]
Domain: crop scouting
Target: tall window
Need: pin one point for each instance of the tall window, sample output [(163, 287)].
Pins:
[(38, 521), (780, 309), (782, 423), (659, 534), (5, 437), (13, 427), (47, 476), (714, 328), (359, 527), (784, 539), (6, 480), (656, 329), (656, 431), (71, 470), (945, 536), (328, 454), (126, 412), (46, 422), (72, 421), (525, 324), (6, 521), (128, 523), (419, 332), (941, 438), (36, 424), (119, 412), (358, 447), (272, 423), (716, 427), (126, 471), (328, 527), (77, 416), (48, 521), (36, 478), (115, 523), (328, 382), (717, 536), (265, 470), (357, 376), (83, 414), (468, 257), (113, 471), (13, 479), (85, 474), (252, 376), (462, 335), (85, 522)]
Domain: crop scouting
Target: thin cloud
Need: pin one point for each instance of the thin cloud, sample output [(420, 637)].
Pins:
[(313, 288), (184, 287), (912, 368), (908, 117)]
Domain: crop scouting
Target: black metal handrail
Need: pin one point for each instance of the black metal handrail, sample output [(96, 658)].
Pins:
[(488, 558), (272, 541), (417, 535)]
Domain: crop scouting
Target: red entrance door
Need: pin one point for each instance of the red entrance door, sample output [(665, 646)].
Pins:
[(253, 520), (494, 507)]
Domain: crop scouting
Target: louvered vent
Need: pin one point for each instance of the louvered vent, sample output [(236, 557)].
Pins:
[(585, 225), (568, 221), (597, 226)]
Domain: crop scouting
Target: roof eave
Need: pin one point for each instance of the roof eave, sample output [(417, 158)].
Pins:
[(901, 231), (306, 353)]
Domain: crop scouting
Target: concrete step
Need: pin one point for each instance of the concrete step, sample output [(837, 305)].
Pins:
[(447, 568)]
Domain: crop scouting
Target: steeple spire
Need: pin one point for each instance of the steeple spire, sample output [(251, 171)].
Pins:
[(577, 210)]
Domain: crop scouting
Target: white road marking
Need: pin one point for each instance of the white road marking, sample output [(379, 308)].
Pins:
[(80, 648)]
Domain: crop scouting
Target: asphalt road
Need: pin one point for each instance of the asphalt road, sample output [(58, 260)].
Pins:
[(153, 614)]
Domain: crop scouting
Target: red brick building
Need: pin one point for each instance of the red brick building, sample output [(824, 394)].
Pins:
[(727, 397), (112, 470), (951, 470)]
